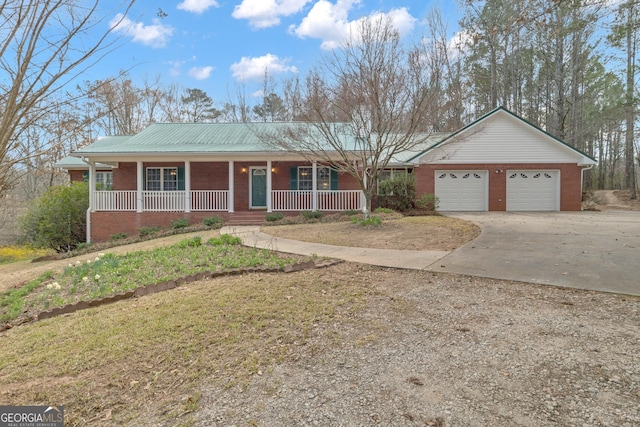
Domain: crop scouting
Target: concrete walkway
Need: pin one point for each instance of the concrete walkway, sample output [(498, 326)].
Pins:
[(418, 260)]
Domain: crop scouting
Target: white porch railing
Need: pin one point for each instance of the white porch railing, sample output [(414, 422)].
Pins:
[(210, 200), (340, 200), (285, 200), (218, 200), (161, 201), (334, 200), (115, 200)]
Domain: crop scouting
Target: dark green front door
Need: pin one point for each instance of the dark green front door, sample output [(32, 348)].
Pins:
[(259, 188)]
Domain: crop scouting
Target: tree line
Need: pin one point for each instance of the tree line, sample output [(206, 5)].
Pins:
[(567, 66)]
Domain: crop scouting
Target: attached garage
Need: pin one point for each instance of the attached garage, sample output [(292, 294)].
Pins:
[(461, 190), (533, 190), (501, 162)]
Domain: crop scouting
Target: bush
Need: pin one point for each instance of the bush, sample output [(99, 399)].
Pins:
[(118, 236), (397, 194), (366, 222), (58, 219), (148, 231), (193, 242), (312, 214), (213, 222), (224, 239), (180, 223), (274, 216), (427, 202), (350, 212)]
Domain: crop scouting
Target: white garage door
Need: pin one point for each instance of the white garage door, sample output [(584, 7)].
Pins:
[(530, 190), (461, 190)]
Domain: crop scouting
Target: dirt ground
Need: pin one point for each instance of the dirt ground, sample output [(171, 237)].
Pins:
[(613, 199)]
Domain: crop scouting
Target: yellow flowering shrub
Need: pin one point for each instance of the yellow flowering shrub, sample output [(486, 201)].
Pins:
[(20, 253)]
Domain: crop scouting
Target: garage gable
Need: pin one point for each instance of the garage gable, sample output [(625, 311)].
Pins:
[(502, 137)]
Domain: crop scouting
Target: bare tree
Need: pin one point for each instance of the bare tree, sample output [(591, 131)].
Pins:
[(44, 46), (367, 102)]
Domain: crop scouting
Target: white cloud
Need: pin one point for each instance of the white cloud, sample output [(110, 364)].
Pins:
[(329, 22), (197, 6), (200, 73), (156, 35), (254, 68), (266, 13), (460, 42)]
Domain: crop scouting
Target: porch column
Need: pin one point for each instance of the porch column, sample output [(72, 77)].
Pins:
[(269, 180), (230, 194), (92, 186), (92, 198), (314, 183), (140, 186), (187, 186)]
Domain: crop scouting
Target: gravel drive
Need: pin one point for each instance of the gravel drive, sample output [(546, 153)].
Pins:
[(433, 349)]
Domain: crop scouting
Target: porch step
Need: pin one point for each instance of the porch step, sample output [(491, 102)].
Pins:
[(246, 218)]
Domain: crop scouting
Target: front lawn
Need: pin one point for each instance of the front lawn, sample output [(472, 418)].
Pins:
[(108, 274)]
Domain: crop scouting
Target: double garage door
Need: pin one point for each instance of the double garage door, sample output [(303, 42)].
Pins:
[(527, 190)]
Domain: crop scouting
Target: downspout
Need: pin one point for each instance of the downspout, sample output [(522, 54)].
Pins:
[(92, 178), (589, 167)]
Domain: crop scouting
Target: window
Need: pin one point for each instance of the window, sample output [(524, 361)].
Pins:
[(104, 181), (305, 178), (163, 179)]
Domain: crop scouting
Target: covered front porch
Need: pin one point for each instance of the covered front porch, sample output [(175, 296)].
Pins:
[(251, 186)]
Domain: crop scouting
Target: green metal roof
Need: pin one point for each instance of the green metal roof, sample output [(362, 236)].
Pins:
[(195, 138), (77, 163)]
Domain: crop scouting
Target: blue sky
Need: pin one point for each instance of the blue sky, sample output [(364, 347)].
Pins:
[(221, 45)]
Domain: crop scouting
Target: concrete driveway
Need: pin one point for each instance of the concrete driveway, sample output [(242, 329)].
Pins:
[(587, 250)]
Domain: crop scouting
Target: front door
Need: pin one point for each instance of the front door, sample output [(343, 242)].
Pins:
[(258, 187)]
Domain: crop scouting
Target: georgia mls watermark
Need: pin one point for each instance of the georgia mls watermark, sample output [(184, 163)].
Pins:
[(31, 416)]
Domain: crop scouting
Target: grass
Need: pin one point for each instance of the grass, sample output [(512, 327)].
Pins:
[(108, 274), (113, 364), (431, 232)]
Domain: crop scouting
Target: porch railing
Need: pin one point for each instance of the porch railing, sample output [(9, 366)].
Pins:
[(115, 200), (210, 200), (218, 200), (161, 201), (334, 200)]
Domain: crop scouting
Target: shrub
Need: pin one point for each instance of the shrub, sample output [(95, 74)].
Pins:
[(274, 216), (180, 223), (57, 220), (224, 239), (312, 214), (148, 231), (366, 222), (213, 222), (350, 212), (118, 236), (193, 242), (398, 193), (427, 202)]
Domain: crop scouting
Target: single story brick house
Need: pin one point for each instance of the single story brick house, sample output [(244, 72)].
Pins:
[(196, 170)]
